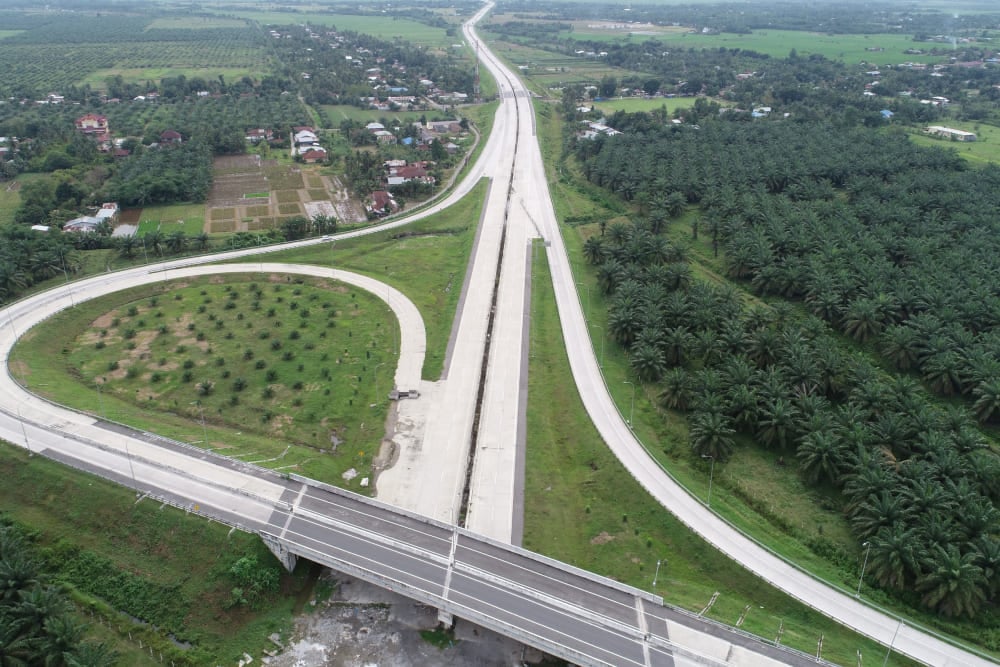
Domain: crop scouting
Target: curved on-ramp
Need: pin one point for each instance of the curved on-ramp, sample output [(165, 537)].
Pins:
[(821, 596)]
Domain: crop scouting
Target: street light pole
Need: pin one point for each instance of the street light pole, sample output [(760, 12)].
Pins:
[(868, 550), (657, 573), (631, 410), (204, 430), (100, 398), (24, 431), (128, 455), (711, 476)]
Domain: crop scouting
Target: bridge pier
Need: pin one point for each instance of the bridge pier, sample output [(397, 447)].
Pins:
[(280, 551), (445, 619)]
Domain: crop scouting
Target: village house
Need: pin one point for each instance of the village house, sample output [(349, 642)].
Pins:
[(313, 156), (257, 135), (171, 137), (950, 133), (92, 123), (381, 203), (89, 223)]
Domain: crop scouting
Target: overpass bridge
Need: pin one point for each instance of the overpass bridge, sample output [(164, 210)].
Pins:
[(562, 610)]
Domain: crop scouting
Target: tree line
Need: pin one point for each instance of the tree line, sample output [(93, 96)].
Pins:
[(894, 247), (37, 626)]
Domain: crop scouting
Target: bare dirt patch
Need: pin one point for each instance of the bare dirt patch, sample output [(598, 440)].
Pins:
[(602, 538)]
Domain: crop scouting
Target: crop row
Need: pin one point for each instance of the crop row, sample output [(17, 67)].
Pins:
[(48, 67)]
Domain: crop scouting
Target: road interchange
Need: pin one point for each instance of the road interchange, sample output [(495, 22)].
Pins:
[(29, 418)]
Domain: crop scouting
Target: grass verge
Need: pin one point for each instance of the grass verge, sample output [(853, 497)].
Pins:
[(166, 568)]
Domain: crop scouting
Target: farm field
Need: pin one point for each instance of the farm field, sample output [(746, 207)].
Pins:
[(637, 104), (9, 201), (552, 70), (188, 217), (339, 112), (384, 27), (4, 34), (97, 79), (778, 43), (986, 149)]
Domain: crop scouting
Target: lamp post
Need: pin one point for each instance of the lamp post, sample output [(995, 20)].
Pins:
[(131, 469), (711, 476), (204, 430), (100, 398), (657, 573), (868, 550), (24, 431), (602, 342), (631, 409)]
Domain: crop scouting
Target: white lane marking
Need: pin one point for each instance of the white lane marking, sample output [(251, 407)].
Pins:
[(291, 510), (548, 611), (410, 528), (641, 615), (563, 583)]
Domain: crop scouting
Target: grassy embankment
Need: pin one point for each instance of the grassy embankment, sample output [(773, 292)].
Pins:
[(157, 564), (291, 367), (751, 490)]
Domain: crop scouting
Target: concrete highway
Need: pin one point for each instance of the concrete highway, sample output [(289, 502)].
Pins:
[(247, 498), (531, 194)]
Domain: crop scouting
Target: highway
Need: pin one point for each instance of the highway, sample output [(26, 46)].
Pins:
[(253, 500), (531, 193)]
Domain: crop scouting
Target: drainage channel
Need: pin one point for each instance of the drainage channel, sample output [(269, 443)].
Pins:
[(474, 439)]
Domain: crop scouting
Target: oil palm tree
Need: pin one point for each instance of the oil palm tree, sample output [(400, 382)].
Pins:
[(953, 584)]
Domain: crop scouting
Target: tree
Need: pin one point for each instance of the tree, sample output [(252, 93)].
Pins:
[(593, 250), (648, 362), (821, 457), (894, 556), (177, 241), (677, 389), (294, 228), (711, 435), (127, 246), (954, 584), (987, 396)]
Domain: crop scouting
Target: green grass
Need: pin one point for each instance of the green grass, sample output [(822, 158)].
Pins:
[(551, 70), (339, 112), (97, 79), (334, 357), (637, 104), (189, 218), (778, 43), (194, 23), (425, 260), (986, 148), (181, 556), (9, 201), (384, 27)]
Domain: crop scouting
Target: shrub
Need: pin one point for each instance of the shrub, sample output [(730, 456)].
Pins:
[(260, 364), (272, 376), (113, 365), (187, 376), (239, 384), (275, 345), (155, 377), (188, 364), (132, 311), (99, 345), (129, 334)]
